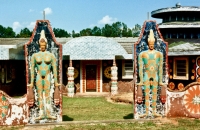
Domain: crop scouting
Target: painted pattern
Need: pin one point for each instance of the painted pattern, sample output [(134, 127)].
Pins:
[(152, 61), (3, 106), (191, 99), (43, 61)]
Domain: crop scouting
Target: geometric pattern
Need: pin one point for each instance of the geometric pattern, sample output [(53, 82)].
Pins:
[(191, 99)]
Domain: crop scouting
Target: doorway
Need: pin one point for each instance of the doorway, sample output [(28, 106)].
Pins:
[(91, 78)]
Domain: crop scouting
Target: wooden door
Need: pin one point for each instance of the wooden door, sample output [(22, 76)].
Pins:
[(91, 78)]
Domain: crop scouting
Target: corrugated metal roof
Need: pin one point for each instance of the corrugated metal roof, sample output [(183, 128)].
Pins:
[(185, 49), (92, 48), (4, 53)]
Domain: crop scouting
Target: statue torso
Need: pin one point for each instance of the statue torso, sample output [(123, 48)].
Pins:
[(43, 62)]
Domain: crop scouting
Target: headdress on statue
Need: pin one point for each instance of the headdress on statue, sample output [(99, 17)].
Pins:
[(42, 36), (151, 36)]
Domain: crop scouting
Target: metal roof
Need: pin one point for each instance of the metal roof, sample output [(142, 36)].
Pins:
[(93, 48), (184, 49)]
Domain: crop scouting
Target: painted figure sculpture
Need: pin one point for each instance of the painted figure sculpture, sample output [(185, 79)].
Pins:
[(42, 61), (152, 62)]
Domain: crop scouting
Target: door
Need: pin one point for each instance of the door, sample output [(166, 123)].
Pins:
[(91, 78)]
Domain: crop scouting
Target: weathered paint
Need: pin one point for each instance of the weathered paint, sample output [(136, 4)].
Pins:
[(185, 103), (13, 111)]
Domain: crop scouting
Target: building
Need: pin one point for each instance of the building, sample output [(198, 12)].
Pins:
[(180, 27), (87, 54)]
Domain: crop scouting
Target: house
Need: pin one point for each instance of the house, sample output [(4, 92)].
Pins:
[(88, 54)]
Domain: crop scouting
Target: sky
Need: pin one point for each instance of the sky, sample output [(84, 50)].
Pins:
[(81, 14)]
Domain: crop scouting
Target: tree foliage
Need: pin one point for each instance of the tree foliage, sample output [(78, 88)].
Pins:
[(117, 29), (6, 32), (74, 34), (136, 30), (25, 33), (60, 32)]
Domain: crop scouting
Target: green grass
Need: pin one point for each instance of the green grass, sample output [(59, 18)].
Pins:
[(94, 108), (183, 124), (97, 108)]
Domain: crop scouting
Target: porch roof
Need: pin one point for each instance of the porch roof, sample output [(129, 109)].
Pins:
[(181, 47), (94, 48)]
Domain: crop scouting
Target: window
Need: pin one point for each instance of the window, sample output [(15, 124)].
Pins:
[(127, 69), (180, 70)]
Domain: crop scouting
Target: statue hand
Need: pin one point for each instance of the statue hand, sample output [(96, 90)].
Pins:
[(139, 84), (57, 85), (162, 84), (56, 96), (30, 85), (139, 94)]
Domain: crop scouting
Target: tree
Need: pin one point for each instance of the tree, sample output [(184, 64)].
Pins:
[(136, 30), (9, 33), (116, 29), (24, 33), (75, 34), (60, 32), (6, 32), (86, 32), (96, 31), (107, 30), (2, 31)]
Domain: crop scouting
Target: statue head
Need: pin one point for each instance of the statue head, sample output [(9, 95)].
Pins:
[(151, 40), (43, 41)]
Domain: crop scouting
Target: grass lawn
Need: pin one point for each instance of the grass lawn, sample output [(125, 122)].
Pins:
[(98, 108), (94, 108), (181, 124)]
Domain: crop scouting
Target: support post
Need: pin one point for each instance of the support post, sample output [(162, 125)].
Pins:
[(114, 87), (70, 75)]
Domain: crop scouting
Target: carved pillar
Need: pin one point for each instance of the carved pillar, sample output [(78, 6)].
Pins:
[(114, 78), (70, 75)]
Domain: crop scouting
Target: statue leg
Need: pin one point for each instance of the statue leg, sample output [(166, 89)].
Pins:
[(154, 98), (48, 107), (146, 95), (39, 87)]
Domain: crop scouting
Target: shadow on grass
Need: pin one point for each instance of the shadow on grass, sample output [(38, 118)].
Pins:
[(67, 118), (129, 116)]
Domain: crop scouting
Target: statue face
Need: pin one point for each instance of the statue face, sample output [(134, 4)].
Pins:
[(42, 45), (151, 40), (151, 43)]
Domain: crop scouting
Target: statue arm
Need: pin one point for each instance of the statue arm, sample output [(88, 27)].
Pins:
[(161, 69), (140, 63), (54, 70), (32, 70)]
